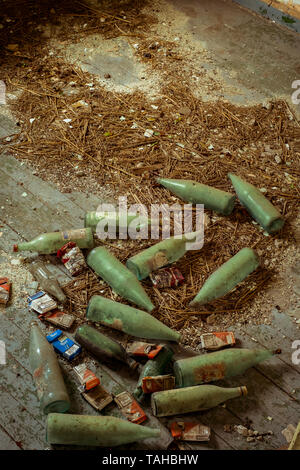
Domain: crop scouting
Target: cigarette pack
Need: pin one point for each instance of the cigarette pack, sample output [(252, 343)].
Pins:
[(58, 318), (64, 345), (41, 302), (72, 257), (188, 431), (217, 340), (141, 349), (98, 397), (5, 286), (158, 383), (130, 408), (167, 277), (86, 377)]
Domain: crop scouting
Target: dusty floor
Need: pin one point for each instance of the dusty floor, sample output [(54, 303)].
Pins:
[(83, 98), (205, 103)]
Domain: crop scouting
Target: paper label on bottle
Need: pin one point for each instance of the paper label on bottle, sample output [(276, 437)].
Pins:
[(158, 260), (209, 373), (74, 234)]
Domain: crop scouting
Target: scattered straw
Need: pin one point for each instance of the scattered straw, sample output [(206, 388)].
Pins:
[(192, 140)]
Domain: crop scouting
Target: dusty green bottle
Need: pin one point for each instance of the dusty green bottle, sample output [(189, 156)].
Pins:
[(192, 399), (161, 254), (102, 347), (217, 365), (198, 193), (128, 319), (103, 431), (257, 205), (152, 368), (93, 218), (227, 276), (51, 389), (48, 243), (118, 277), (46, 280)]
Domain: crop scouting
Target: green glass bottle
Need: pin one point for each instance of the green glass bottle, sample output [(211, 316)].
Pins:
[(128, 319), (46, 280), (102, 347), (161, 254), (103, 431), (152, 368), (198, 193), (118, 277), (47, 375), (217, 365), (227, 276), (48, 243), (192, 399), (113, 219), (257, 205)]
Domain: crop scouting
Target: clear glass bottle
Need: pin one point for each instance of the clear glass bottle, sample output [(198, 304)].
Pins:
[(51, 389), (46, 280)]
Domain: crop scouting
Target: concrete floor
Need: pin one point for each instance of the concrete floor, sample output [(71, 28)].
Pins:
[(254, 60), (259, 59)]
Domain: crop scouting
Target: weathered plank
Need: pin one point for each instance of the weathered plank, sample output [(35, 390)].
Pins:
[(6, 442), (264, 401), (20, 425), (42, 191), (74, 204), (276, 369), (28, 215), (19, 383)]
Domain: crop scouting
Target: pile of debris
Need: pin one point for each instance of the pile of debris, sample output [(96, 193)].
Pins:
[(113, 142), (176, 388)]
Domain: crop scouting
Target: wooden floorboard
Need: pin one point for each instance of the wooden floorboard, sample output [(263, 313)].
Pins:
[(6, 441), (20, 424), (279, 369)]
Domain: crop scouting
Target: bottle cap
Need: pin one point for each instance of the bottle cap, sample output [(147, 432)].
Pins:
[(15, 248), (244, 390)]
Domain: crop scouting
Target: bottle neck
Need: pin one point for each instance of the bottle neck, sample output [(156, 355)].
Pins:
[(238, 391), (22, 246)]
